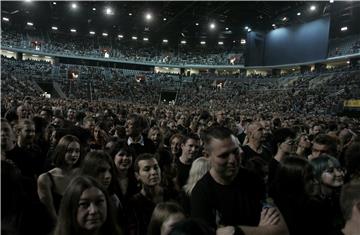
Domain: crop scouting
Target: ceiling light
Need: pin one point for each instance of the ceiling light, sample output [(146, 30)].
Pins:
[(344, 28), (202, 42), (109, 11), (299, 13), (134, 38), (243, 41), (220, 43), (92, 33), (105, 34), (146, 39), (73, 30), (74, 6), (183, 42), (54, 28), (313, 8), (30, 24), (5, 19), (165, 41), (148, 16)]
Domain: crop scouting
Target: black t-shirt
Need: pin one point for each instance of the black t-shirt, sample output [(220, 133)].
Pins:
[(182, 172), (235, 204)]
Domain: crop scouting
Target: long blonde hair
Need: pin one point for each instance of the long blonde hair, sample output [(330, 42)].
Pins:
[(198, 169)]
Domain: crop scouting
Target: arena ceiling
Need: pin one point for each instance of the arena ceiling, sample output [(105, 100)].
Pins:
[(172, 20)]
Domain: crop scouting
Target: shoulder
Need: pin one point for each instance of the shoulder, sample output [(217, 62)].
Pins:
[(44, 179)]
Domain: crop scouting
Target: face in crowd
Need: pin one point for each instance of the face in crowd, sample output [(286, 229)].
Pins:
[(123, 160), (72, 154), (149, 172), (175, 146), (225, 157), (26, 133), (92, 209), (189, 149)]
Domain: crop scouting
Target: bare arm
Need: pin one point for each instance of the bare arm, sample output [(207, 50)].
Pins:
[(271, 223), (45, 195)]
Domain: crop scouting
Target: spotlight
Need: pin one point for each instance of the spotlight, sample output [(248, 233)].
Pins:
[(313, 8), (148, 16), (212, 26), (74, 6), (54, 28)]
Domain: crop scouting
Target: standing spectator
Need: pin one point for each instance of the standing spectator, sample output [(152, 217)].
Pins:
[(86, 209), (52, 184), (229, 195)]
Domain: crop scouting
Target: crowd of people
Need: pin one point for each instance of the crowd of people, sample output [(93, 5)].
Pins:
[(126, 168), (64, 44), (230, 155)]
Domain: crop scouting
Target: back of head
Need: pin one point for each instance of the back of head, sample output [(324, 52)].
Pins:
[(292, 177), (352, 160), (198, 169), (350, 197), (162, 212)]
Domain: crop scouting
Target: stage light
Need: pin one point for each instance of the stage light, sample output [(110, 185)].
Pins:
[(345, 28), (54, 28), (197, 24), (105, 34), (73, 5), (183, 42), (5, 19), (165, 41), (134, 38), (202, 42), (212, 26), (313, 8), (30, 24), (94, 9), (120, 36), (145, 39), (73, 30), (220, 43), (243, 41), (299, 14), (130, 14)]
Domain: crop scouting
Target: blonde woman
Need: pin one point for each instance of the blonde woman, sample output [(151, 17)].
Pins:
[(198, 169)]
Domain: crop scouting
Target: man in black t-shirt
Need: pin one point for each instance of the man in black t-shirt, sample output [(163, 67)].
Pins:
[(189, 151), (231, 196)]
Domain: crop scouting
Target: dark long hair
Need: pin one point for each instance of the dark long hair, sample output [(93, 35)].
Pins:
[(67, 221)]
